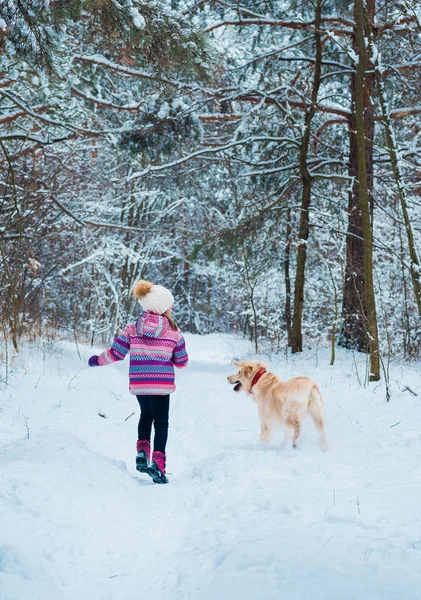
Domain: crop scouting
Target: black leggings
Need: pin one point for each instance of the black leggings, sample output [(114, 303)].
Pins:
[(154, 409)]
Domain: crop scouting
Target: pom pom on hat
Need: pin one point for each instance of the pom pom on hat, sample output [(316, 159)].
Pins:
[(152, 298), (141, 288)]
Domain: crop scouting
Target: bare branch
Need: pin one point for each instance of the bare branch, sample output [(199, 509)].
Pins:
[(204, 151), (136, 107), (301, 25), (66, 211), (97, 59), (398, 113), (9, 117)]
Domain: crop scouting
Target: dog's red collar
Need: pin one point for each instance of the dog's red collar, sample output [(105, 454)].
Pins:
[(256, 378)]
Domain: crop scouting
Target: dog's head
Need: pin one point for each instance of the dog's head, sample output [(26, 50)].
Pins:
[(246, 372)]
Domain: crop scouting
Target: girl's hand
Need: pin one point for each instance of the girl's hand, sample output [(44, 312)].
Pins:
[(93, 361)]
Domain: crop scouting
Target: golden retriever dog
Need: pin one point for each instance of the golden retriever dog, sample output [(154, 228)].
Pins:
[(280, 402)]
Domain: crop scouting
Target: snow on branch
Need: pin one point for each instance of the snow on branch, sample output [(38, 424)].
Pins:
[(398, 113), (137, 230), (98, 253), (99, 224), (31, 112), (133, 107), (230, 94), (12, 116), (298, 24), (205, 151), (395, 25), (218, 117), (97, 59), (66, 210), (41, 141), (255, 97)]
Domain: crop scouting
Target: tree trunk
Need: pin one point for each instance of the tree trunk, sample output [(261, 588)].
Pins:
[(287, 277), (361, 100), (354, 319), (352, 334), (415, 268), (296, 333)]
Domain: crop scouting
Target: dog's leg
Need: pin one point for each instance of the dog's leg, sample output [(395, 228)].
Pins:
[(297, 429), (265, 432), (292, 421), (319, 423)]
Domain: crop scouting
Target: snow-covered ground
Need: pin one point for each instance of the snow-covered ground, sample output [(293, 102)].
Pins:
[(238, 520)]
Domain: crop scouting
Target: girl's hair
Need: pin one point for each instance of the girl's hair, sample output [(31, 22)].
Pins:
[(173, 324)]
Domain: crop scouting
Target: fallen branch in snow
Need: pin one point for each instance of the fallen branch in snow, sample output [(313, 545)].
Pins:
[(127, 418), (394, 425), (27, 426), (408, 389), (70, 382)]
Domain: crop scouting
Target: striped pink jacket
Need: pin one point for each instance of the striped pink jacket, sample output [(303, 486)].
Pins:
[(154, 349)]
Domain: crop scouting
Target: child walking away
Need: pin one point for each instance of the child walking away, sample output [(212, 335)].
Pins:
[(155, 345)]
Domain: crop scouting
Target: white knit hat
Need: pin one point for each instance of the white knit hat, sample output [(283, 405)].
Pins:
[(152, 298)]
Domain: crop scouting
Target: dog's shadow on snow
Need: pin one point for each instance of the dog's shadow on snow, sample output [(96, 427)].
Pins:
[(284, 449)]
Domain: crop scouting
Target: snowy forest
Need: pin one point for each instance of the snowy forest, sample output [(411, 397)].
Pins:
[(261, 159)]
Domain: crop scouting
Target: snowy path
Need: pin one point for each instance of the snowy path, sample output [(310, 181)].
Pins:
[(238, 520)]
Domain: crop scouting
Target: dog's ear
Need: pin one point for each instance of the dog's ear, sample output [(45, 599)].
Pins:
[(243, 365), (261, 365)]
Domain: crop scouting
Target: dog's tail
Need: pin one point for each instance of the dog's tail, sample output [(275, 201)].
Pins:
[(315, 395), (316, 410)]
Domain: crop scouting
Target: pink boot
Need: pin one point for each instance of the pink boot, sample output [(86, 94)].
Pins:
[(143, 448), (157, 467)]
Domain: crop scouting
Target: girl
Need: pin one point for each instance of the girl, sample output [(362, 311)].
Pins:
[(156, 346)]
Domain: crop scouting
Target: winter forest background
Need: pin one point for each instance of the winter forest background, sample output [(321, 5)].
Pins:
[(261, 159)]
